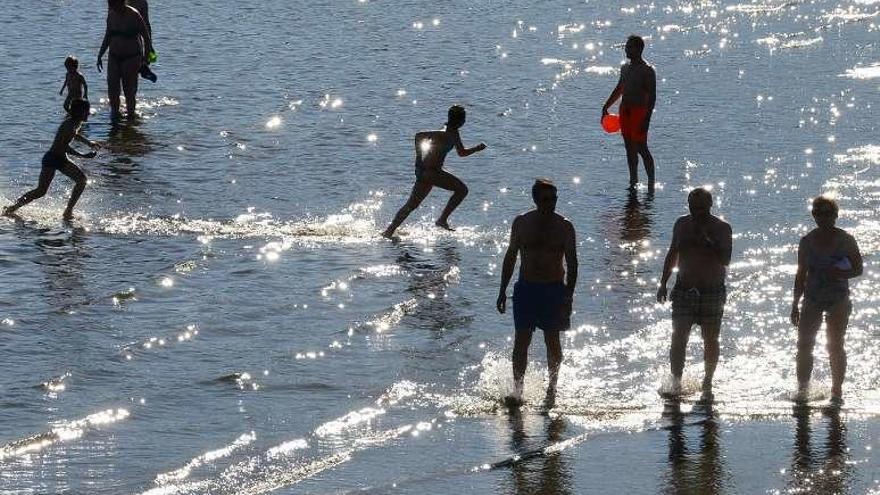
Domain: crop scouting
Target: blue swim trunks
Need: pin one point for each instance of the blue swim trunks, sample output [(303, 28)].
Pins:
[(540, 305)]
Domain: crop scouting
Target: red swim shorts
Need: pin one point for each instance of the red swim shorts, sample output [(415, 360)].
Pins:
[(632, 123)]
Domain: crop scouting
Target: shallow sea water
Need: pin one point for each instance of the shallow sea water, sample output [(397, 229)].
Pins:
[(223, 317)]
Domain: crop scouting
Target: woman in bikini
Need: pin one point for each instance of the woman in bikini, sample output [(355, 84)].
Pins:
[(129, 40), (827, 258), (431, 150)]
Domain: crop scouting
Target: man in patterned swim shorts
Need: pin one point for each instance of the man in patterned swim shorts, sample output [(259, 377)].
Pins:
[(701, 248)]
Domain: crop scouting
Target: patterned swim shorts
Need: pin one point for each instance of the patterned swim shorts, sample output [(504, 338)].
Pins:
[(698, 307)]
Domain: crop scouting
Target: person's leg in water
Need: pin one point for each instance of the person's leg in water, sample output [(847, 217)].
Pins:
[(711, 351), (46, 176), (836, 323), (419, 192), (554, 360), (521, 341), (130, 69), (681, 330), (445, 180), (114, 85), (648, 161), (71, 170), (808, 326), (632, 160)]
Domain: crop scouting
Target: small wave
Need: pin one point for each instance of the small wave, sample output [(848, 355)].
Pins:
[(863, 72), (65, 431)]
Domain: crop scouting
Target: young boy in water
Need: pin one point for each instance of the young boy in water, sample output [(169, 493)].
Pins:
[(638, 86), (75, 82), (56, 159)]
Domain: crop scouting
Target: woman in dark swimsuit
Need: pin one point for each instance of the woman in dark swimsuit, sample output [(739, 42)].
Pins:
[(431, 150), (827, 258), (129, 40)]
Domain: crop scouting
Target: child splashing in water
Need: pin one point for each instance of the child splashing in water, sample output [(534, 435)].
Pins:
[(431, 150), (56, 159), (74, 82)]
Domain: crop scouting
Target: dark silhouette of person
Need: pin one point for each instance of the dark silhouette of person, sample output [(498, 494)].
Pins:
[(128, 39), (827, 258), (56, 159), (431, 150), (74, 82), (701, 249), (638, 88), (143, 9), (543, 238), (824, 468)]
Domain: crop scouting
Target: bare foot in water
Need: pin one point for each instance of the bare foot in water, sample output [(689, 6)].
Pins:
[(444, 225)]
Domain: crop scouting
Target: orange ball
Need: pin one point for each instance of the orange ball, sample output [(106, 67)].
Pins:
[(611, 123)]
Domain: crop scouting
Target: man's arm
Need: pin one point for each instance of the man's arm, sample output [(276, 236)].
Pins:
[(651, 89), (725, 245), (85, 86), (461, 150), (615, 94), (571, 261), (508, 265), (670, 262)]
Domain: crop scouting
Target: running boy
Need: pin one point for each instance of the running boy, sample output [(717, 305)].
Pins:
[(56, 159)]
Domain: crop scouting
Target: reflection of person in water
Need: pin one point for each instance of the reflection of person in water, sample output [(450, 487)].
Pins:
[(701, 471), (428, 281), (637, 220), (545, 473), (827, 472)]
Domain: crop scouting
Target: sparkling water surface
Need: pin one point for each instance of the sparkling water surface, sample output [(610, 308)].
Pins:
[(224, 318)]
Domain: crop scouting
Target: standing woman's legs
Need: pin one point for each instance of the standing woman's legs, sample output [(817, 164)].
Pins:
[(114, 84), (445, 180), (808, 326), (419, 192), (836, 323), (74, 172), (130, 72)]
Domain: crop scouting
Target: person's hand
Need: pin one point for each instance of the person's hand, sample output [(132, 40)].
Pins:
[(661, 294), (604, 113), (501, 303), (100, 64), (94, 144), (566, 306), (480, 147), (91, 154), (795, 315)]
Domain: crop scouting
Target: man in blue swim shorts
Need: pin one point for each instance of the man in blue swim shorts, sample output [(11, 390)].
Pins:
[(541, 299)]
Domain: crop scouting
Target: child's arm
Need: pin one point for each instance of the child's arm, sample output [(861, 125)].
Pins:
[(79, 137), (461, 150), (66, 78), (85, 87)]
